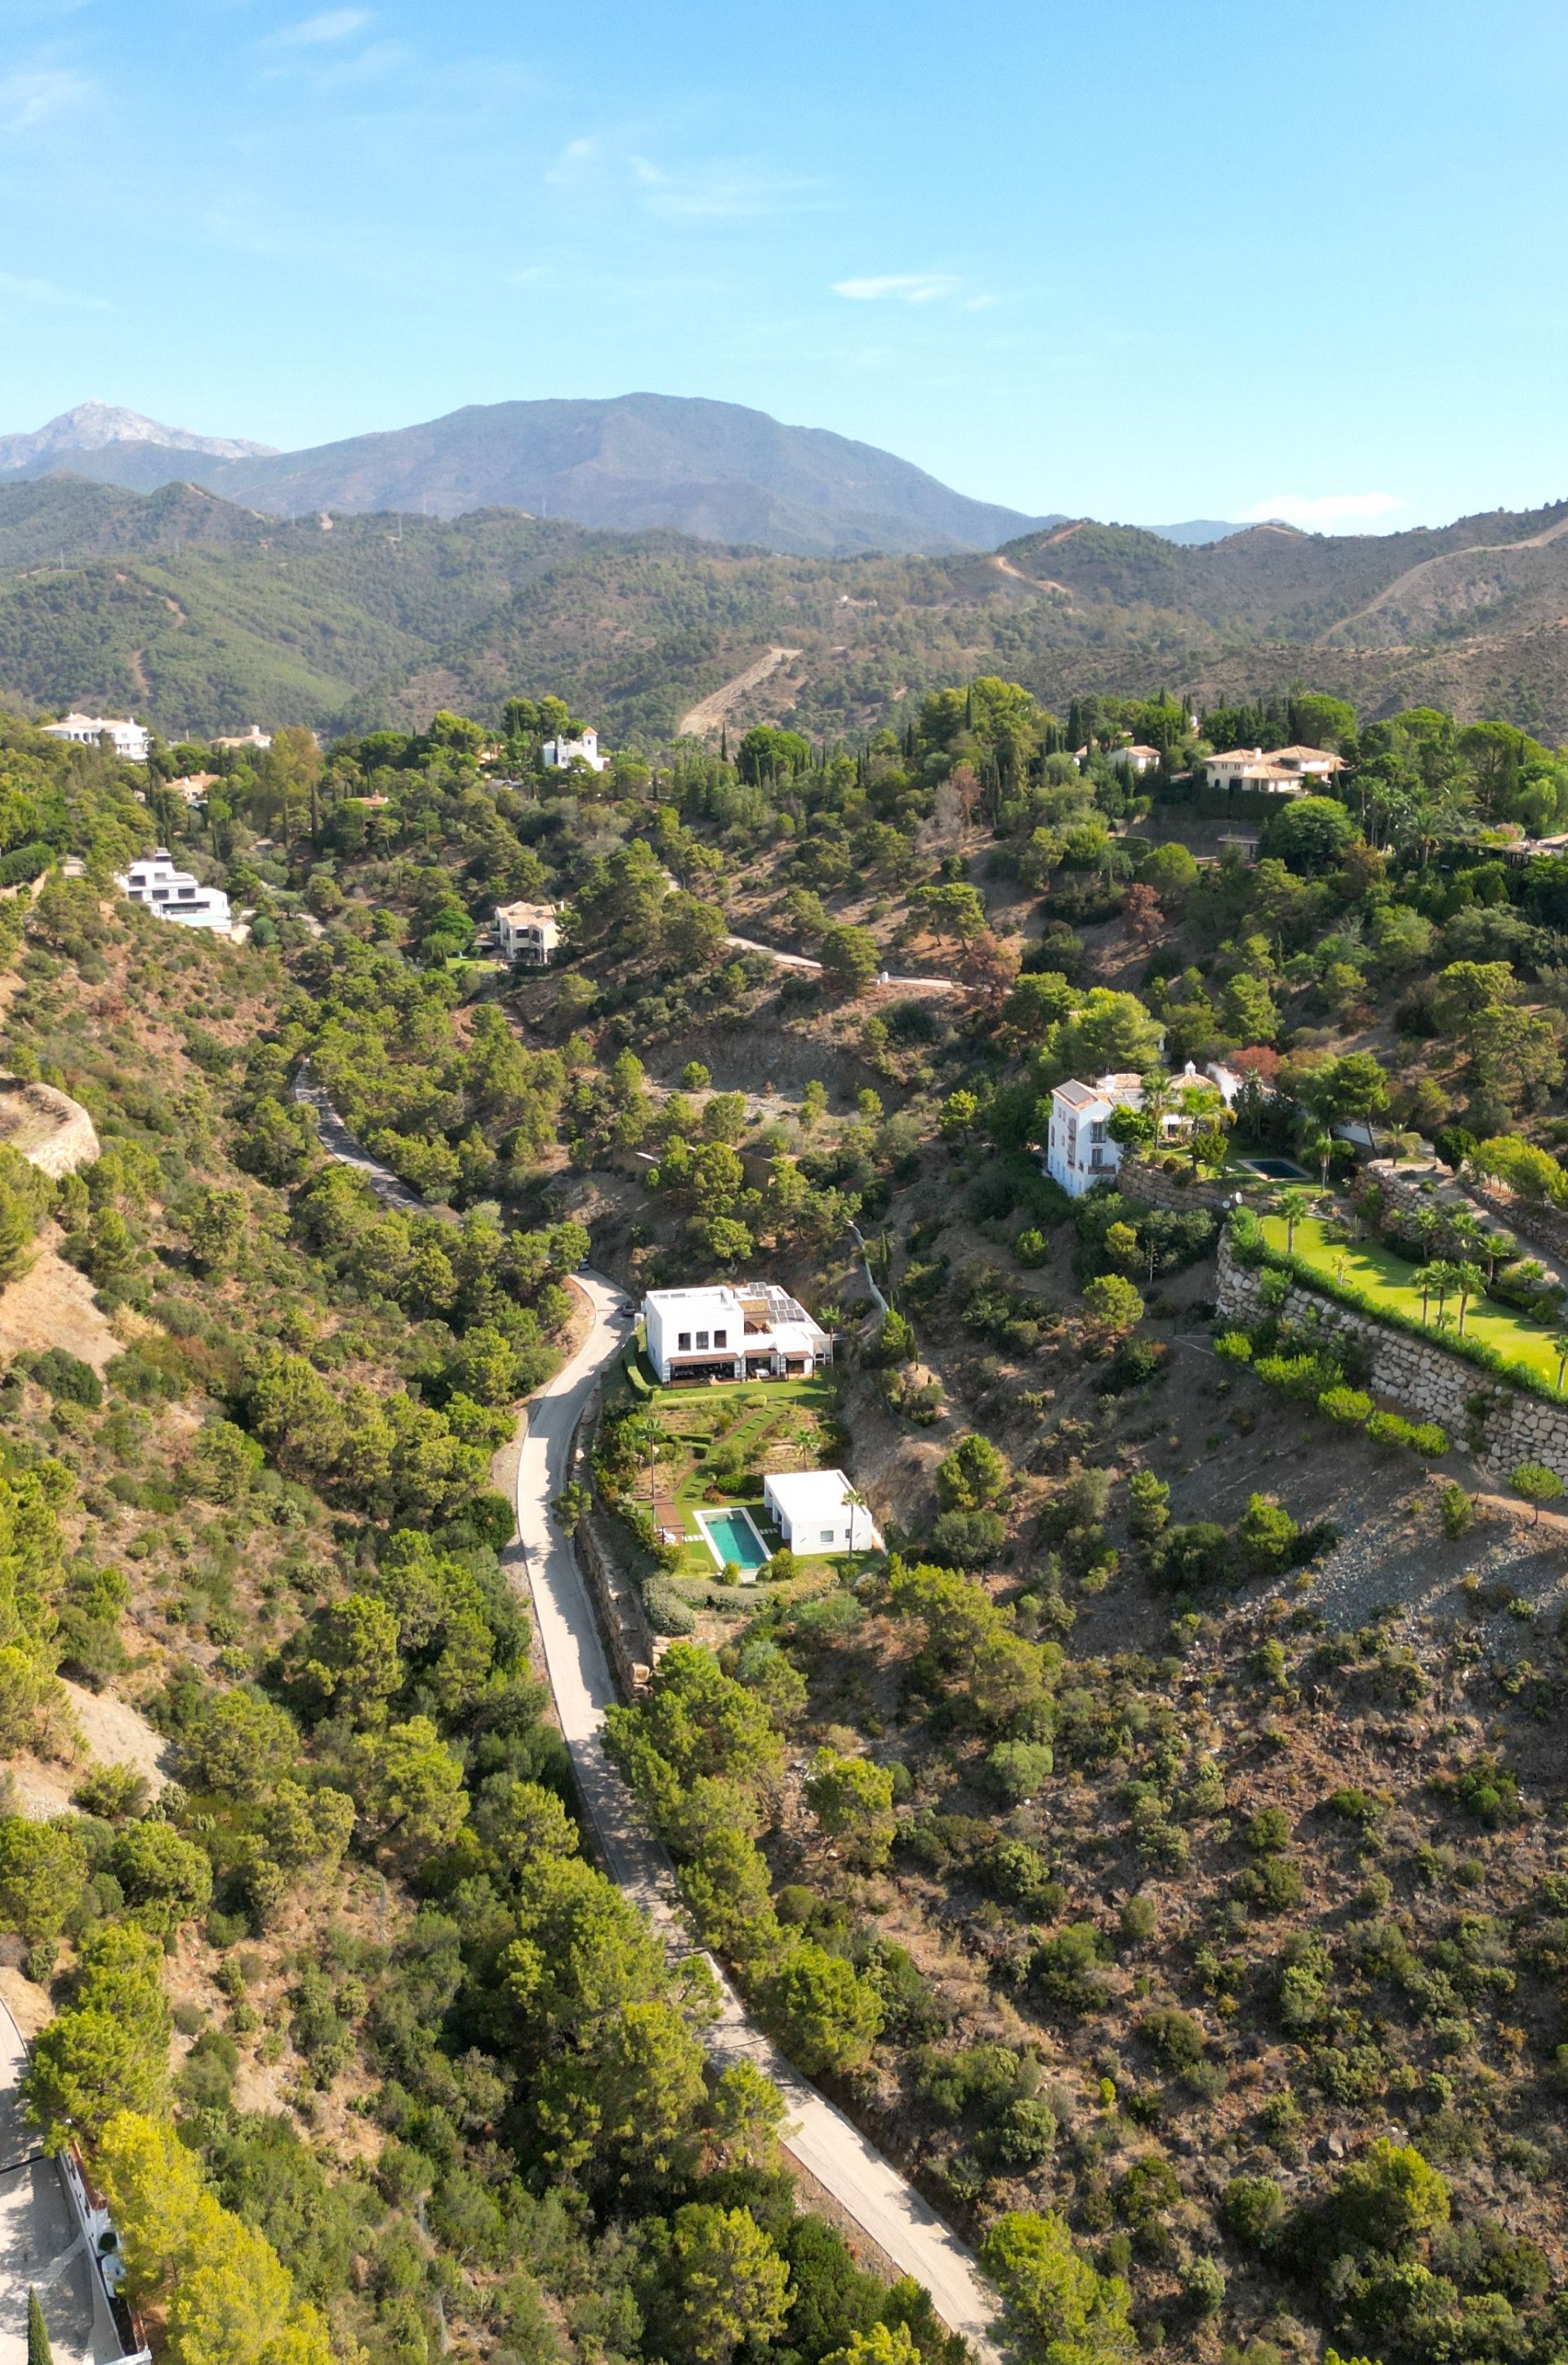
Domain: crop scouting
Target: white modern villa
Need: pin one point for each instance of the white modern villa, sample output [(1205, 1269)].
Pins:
[(818, 1511), (1080, 1151), (124, 736), (559, 753), (527, 933), (174, 895), (732, 1330), (1282, 772)]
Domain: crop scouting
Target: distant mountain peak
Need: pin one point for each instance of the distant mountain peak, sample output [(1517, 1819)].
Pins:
[(102, 426), (626, 464)]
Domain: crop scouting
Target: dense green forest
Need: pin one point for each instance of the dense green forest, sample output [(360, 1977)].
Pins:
[(1158, 1848), (204, 617)]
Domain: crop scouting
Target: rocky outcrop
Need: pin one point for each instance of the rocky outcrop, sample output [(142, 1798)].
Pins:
[(1504, 1426), (52, 1132)]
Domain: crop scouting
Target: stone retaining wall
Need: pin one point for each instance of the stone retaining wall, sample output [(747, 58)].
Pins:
[(1504, 1426), (623, 1624), (1158, 1189)]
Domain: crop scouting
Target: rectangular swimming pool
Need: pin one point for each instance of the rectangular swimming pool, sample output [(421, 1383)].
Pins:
[(1278, 1170), (732, 1534)]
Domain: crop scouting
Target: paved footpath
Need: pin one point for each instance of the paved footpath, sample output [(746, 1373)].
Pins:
[(823, 2141)]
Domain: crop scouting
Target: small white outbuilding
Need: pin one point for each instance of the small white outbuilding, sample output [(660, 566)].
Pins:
[(816, 1513)]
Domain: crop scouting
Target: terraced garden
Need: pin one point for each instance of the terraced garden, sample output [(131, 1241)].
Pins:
[(1373, 1277)]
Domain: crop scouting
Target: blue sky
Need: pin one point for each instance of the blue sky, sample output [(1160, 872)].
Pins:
[(1143, 259)]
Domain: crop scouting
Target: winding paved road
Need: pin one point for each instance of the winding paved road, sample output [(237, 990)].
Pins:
[(866, 2185), (824, 2142)]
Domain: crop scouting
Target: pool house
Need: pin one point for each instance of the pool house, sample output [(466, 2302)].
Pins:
[(818, 1513)]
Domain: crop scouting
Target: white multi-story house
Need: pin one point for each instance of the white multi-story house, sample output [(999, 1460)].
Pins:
[(559, 753), (1080, 1151), (126, 738), (732, 1330), (1135, 758), (174, 895), (256, 739), (818, 1511), (527, 933), (1283, 772)]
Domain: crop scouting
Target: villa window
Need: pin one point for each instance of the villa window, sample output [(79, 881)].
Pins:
[(683, 1343), (701, 1337), (828, 1534), (721, 1337)]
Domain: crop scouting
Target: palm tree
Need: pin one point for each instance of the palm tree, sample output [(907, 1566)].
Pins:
[(1469, 1234), (1293, 1206), (1443, 1277), (1317, 1141), (647, 1434), (1559, 1348), (1470, 1282)]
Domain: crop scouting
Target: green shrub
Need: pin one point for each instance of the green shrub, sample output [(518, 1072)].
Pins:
[(1015, 1769), (68, 1379), (1458, 1511), (1348, 1405), (667, 1613), (1175, 2038), (1251, 2208)]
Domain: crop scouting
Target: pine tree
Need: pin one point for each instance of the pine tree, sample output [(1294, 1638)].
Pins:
[(16, 1236), (38, 2350)]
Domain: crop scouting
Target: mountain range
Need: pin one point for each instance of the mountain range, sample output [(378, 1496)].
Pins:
[(199, 614), (639, 462)]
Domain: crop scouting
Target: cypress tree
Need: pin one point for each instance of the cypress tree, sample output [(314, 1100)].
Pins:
[(1075, 731), (38, 2350)]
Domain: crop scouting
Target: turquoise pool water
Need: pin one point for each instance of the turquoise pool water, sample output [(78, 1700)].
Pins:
[(732, 1536)]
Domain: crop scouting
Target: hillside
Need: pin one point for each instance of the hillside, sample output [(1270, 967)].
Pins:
[(1157, 1851), (713, 470), (201, 615)]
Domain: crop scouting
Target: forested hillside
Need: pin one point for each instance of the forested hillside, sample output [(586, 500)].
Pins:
[(202, 617), (1158, 1848)]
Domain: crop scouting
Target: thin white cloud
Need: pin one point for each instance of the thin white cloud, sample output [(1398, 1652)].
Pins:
[(575, 160), (316, 32), (44, 291), (37, 95), (728, 189), (899, 286), (1324, 509)]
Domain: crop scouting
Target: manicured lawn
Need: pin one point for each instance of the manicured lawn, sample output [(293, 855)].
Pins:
[(1386, 1279)]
